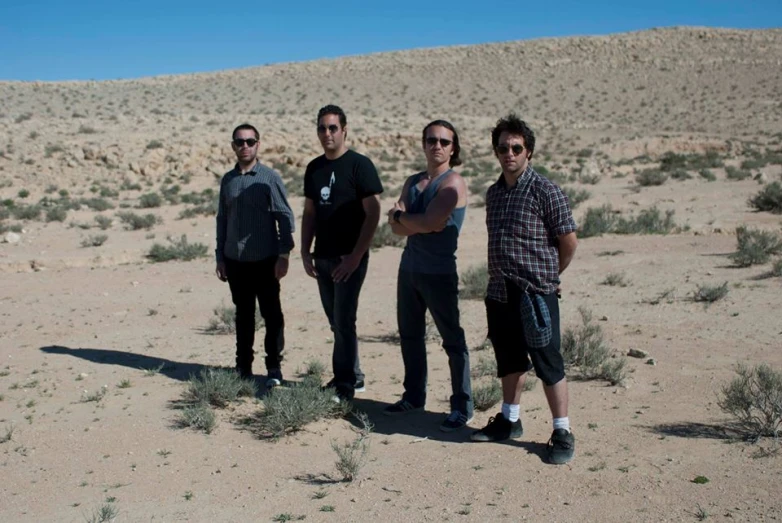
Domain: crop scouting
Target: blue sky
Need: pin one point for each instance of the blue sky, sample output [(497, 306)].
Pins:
[(64, 40)]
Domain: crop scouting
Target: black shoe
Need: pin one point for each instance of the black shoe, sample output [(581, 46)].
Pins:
[(499, 429), (274, 378), (358, 387), (455, 421), (244, 371), (401, 407), (561, 447)]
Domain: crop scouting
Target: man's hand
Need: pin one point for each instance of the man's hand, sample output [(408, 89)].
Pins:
[(348, 265), (221, 272), (309, 264), (398, 206), (281, 268)]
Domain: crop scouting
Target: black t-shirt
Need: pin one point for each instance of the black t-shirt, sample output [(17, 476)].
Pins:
[(337, 188)]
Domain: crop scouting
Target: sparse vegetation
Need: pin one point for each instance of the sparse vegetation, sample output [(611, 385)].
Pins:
[(769, 199), (597, 221), (199, 416), (384, 237), (650, 178), (755, 247), (223, 320), (135, 222), (179, 249), (150, 200), (736, 174), (585, 349), (352, 456), (754, 399), (94, 240), (615, 279), (710, 293), (106, 513), (289, 409), (648, 221), (486, 396), (217, 387), (576, 196), (104, 222), (474, 282)]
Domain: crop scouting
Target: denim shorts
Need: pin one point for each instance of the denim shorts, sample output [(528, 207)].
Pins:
[(506, 332)]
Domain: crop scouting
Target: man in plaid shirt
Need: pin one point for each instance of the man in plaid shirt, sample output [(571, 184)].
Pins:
[(532, 240)]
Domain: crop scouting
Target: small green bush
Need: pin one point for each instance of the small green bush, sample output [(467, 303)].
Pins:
[(24, 193), (710, 293), (648, 221), (615, 279), (97, 204), (104, 222), (755, 247), (487, 396), (135, 222), (26, 212), (199, 416), (385, 237), (56, 214), (584, 348), (597, 221), (94, 240), (223, 320), (707, 175), (474, 282), (218, 387), (179, 249), (352, 456), (150, 201), (650, 177), (769, 199), (733, 173), (154, 144), (754, 398), (289, 409), (576, 196)]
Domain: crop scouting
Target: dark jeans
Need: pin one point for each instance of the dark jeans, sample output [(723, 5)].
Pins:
[(340, 302), (416, 292), (250, 281)]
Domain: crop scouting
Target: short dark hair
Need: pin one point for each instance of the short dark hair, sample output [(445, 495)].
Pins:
[(333, 109), (512, 124), (455, 160), (245, 127)]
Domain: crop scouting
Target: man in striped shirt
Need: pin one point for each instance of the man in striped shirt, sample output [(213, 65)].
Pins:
[(532, 239), (254, 238)]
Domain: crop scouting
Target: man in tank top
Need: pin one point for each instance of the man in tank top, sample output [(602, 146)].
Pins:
[(430, 212)]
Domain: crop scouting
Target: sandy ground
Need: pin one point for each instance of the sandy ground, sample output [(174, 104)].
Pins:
[(74, 319)]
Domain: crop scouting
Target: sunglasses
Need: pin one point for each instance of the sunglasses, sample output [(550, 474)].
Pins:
[(516, 148), (241, 141), (332, 129), (432, 141)]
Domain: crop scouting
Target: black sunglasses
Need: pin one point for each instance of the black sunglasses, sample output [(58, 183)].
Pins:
[(331, 129), (241, 141), (516, 148), (431, 140)]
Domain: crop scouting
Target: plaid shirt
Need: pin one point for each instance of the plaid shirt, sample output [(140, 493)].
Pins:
[(524, 222)]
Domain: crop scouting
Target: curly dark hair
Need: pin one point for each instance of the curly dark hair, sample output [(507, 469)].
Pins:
[(512, 124), (455, 160)]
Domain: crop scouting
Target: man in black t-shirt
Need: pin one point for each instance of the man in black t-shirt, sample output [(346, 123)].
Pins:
[(341, 213)]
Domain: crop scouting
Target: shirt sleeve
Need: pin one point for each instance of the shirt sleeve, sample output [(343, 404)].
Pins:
[(222, 225), (282, 213), (556, 212), (367, 180), (308, 189)]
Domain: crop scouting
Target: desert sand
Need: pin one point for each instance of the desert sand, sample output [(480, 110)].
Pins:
[(75, 319)]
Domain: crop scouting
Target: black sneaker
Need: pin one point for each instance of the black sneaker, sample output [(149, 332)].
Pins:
[(561, 447), (274, 378), (360, 387), (499, 429), (401, 407), (244, 371), (455, 421)]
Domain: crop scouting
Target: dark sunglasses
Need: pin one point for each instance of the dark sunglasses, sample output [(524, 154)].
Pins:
[(332, 129), (241, 141), (516, 148), (431, 141)]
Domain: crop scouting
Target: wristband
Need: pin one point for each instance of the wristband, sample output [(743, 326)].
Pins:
[(397, 214)]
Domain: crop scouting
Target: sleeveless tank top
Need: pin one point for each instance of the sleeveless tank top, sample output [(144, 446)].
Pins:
[(434, 252)]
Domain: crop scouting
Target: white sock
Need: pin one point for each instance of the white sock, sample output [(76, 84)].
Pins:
[(562, 423), (513, 413)]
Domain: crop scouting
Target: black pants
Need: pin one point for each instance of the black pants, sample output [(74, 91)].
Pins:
[(250, 281), (415, 293), (340, 302)]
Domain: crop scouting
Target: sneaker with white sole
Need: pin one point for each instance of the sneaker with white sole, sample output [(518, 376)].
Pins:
[(274, 378), (455, 421)]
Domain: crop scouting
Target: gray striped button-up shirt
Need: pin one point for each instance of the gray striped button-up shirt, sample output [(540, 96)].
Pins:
[(254, 220)]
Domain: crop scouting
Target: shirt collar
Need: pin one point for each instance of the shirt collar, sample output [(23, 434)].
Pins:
[(255, 170), (521, 179)]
